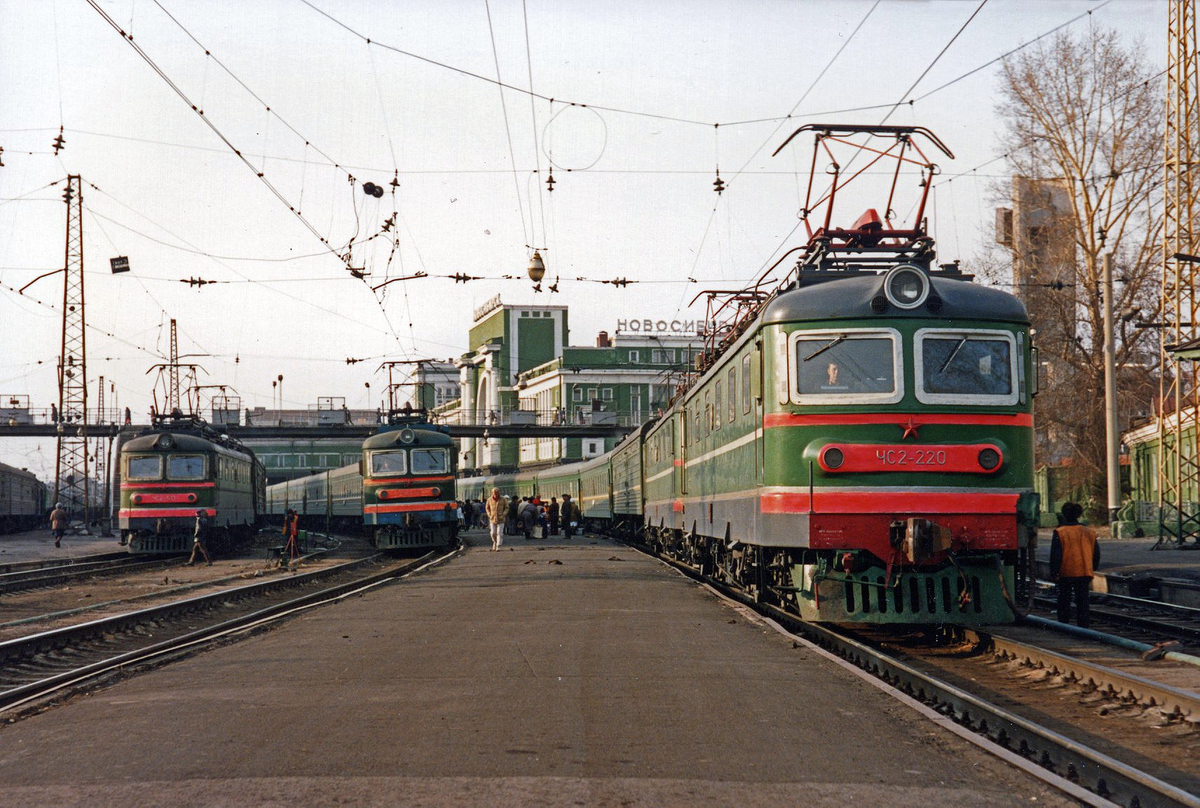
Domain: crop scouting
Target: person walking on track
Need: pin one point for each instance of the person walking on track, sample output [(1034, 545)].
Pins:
[(291, 529), (497, 514), (58, 523), (198, 536), (1074, 556)]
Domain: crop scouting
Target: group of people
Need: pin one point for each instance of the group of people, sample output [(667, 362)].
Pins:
[(522, 515)]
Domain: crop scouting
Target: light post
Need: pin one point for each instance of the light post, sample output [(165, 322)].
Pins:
[(1112, 438), (273, 399), (280, 410)]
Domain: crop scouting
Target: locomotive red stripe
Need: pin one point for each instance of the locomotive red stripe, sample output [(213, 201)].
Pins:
[(920, 419), (126, 486), (162, 513), (889, 502), (405, 507)]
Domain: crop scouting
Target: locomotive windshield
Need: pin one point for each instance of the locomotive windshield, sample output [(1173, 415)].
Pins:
[(846, 365), (185, 467), (428, 461), (966, 367), (384, 463), (144, 467)]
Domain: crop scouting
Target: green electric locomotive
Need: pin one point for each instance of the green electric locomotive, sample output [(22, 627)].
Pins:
[(166, 476)]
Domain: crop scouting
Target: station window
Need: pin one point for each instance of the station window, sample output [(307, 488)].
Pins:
[(577, 394), (591, 394), (606, 394), (633, 356)]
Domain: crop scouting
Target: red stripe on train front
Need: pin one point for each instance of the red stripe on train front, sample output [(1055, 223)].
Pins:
[(918, 419), (406, 507), (162, 513), (886, 502)]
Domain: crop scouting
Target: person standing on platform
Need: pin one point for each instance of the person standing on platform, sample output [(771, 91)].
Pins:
[(1074, 556), (198, 536), (128, 417), (570, 516), (552, 512), (58, 523), (514, 506), (497, 514)]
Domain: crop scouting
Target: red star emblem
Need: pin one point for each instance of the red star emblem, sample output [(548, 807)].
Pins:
[(909, 428)]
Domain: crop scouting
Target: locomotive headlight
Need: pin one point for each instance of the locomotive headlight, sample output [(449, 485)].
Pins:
[(833, 457), (989, 458), (906, 286), (407, 436)]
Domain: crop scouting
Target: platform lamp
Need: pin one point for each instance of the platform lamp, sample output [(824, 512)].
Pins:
[(537, 267), (280, 399)]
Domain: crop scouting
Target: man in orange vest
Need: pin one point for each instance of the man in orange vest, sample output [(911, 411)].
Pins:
[(1074, 555)]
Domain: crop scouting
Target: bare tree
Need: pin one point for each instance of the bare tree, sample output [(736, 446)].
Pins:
[(1083, 127)]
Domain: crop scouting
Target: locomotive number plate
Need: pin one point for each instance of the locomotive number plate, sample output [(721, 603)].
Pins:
[(911, 457), (866, 458)]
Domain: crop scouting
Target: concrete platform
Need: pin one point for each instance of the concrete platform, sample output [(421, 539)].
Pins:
[(37, 545), (544, 674)]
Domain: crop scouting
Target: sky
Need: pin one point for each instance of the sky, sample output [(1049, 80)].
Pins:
[(635, 106)]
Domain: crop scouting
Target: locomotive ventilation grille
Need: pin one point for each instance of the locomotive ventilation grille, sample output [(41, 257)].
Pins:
[(920, 596)]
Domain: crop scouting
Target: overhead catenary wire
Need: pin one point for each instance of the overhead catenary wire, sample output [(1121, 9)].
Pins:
[(212, 126)]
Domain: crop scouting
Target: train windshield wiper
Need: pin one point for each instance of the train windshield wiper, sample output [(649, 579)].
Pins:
[(825, 347), (953, 354)]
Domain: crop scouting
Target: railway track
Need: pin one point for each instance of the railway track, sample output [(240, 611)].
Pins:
[(52, 663), (1057, 753), (20, 576), (1145, 620)]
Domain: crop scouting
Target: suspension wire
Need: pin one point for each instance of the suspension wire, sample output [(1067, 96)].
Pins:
[(212, 126), (504, 108), (537, 158)]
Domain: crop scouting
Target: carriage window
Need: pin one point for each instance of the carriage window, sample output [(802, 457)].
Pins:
[(144, 468), (746, 384), (846, 365), (388, 462), (967, 367), (732, 395), (185, 467), (428, 461)]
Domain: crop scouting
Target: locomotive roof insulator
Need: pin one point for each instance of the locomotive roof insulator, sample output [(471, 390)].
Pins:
[(906, 286)]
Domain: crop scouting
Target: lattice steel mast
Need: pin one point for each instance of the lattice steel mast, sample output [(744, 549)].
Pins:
[(71, 479), (1179, 437)]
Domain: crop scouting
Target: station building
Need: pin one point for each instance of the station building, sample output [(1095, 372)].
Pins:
[(521, 369)]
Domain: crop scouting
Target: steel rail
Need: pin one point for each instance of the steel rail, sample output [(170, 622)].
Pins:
[(1116, 683), (44, 563), (26, 647), (47, 576), (1105, 776), (1170, 611)]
